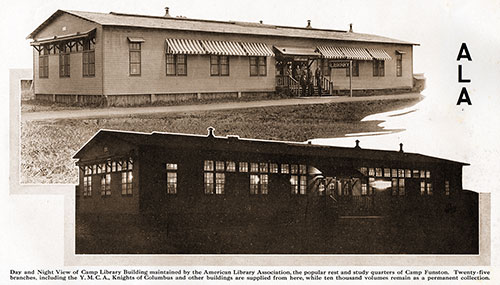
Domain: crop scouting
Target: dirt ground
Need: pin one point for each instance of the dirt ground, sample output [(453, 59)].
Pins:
[(47, 146)]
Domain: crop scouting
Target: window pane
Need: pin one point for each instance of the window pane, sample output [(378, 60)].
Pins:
[(264, 182), (254, 167), (208, 165), (294, 182), (231, 166), (171, 166), (254, 184), (243, 166), (219, 165), (263, 167), (220, 179), (253, 70), (135, 68), (285, 169), (135, 57)]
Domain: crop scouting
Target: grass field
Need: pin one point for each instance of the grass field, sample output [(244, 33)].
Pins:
[(47, 146)]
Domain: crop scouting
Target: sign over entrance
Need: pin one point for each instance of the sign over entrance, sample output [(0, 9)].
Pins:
[(339, 64)]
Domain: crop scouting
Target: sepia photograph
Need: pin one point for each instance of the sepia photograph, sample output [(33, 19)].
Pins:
[(271, 129)]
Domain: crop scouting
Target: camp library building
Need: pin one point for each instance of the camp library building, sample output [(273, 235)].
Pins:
[(133, 59), (192, 179)]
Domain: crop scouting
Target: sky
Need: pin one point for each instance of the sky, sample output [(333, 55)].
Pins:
[(441, 128)]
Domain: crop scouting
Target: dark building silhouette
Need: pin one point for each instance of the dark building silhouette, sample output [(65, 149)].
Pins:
[(170, 193)]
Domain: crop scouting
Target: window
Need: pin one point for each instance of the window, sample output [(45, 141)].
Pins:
[(214, 182), (176, 64), (294, 169), (88, 58), (415, 173), (401, 187), (364, 189), (243, 166), (294, 181), (303, 185), (209, 182), (273, 167), (371, 182), (429, 188), (134, 58), (87, 182), (387, 172), (378, 172), (447, 188), (371, 171), (408, 173), (208, 165), (219, 65), (171, 178), (230, 166), (258, 66), (422, 187), (399, 65), (364, 171), (259, 184), (298, 184), (378, 68), (64, 65), (394, 172), (303, 169), (254, 167), (285, 169), (106, 185), (220, 179), (219, 165), (355, 69), (427, 174), (43, 62), (394, 186), (422, 173), (127, 182), (263, 167)]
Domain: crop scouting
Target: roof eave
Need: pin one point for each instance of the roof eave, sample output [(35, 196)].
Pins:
[(51, 18)]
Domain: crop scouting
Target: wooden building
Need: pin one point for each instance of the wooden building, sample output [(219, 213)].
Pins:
[(122, 59), (182, 180)]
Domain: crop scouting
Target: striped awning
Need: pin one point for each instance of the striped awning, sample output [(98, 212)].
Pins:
[(223, 48), (356, 53), (379, 54), (257, 49), (184, 46), (331, 52)]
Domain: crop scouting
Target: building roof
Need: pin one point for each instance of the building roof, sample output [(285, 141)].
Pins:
[(231, 143), (229, 27)]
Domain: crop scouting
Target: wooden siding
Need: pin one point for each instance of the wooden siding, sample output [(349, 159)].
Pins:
[(153, 77), (76, 84)]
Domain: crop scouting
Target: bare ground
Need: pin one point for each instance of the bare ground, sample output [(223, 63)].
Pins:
[(47, 146)]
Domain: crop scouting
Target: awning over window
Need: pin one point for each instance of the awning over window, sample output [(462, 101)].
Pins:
[(331, 52), (297, 51), (223, 48), (257, 49), (69, 37), (379, 54), (184, 46), (356, 53), (135, 40)]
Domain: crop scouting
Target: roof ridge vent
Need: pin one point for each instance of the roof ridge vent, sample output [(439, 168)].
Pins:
[(211, 132), (167, 14)]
